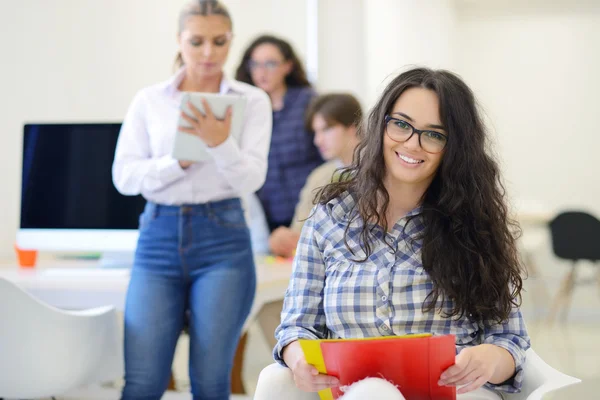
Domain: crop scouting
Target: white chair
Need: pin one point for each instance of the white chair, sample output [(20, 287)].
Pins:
[(47, 352), (539, 379)]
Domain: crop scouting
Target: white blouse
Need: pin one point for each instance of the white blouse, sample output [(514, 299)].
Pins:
[(143, 163)]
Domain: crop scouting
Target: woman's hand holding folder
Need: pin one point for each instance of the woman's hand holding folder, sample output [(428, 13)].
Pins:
[(477, 365), (306, 376)]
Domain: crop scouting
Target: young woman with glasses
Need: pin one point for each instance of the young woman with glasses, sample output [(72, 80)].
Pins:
[(415, 237), (194, 258), (271, 64)]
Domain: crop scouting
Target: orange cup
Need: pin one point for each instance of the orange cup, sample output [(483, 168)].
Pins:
[(26, 258)]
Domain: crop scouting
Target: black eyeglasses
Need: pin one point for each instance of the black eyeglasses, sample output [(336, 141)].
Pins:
[(400, 131)]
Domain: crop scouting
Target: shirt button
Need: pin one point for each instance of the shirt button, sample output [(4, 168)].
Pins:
[(384, 327), (384, 299)]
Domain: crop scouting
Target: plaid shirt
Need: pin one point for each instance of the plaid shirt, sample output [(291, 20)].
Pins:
[(292, 156), (329, 296)]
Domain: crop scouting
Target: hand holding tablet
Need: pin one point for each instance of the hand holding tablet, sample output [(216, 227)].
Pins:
[(206, 120), (211, 130)]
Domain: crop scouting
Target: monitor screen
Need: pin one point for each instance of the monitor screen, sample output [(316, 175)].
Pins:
[(67, 180)]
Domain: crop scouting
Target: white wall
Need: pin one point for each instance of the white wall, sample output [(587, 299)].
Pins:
[(363, 43), (534, 67), (83, 60), (532, 64), (399, 33), (342, 47)]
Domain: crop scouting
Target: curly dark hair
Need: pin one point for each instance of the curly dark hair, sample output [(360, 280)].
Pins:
[(296, 78), (469, 242)]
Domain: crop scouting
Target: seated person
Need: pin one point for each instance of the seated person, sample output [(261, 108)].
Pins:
[(414, 237), (334, 119)]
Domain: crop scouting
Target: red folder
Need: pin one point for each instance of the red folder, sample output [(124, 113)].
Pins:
[(413, 363)]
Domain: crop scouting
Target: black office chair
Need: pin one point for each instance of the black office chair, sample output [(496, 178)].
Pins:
[(576, 237)]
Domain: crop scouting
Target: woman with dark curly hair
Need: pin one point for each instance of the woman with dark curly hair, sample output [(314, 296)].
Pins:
[(415, 237)]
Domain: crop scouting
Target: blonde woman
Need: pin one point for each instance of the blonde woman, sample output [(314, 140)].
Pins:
[(194, 257)]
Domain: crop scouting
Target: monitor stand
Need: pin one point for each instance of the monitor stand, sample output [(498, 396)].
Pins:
[(116, 259)]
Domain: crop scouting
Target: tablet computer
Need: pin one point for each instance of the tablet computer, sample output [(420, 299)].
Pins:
[(187, 147)]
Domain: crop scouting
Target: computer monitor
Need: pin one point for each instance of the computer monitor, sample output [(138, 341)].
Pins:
[(68, 200)]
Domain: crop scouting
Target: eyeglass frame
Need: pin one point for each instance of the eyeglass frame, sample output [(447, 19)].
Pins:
[(389, 118), (253, 64)]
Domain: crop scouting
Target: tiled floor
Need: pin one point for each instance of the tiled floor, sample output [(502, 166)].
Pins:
[(572, 346)]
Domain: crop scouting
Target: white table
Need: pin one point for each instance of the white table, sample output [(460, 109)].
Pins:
[(70, 284)]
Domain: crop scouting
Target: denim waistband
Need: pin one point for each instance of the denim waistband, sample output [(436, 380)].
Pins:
[(197, 209)]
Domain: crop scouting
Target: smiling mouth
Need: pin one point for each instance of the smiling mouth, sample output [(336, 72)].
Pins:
[(408, 159)]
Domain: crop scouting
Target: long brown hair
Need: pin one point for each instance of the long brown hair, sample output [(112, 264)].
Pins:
[(203, 8), (469, 242), (297, 76)]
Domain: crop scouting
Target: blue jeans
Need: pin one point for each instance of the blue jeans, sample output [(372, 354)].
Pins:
[(192, 263)]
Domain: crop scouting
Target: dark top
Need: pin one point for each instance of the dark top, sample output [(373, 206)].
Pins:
[(292, 157)]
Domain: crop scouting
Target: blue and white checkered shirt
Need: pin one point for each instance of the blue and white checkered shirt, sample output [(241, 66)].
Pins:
[(330, 296)]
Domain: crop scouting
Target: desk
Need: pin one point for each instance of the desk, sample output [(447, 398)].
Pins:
[(535, 218), (71, 284)]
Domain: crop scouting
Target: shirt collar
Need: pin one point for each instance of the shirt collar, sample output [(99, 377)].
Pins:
[(343, 210), (290, 96), (171, 85)]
